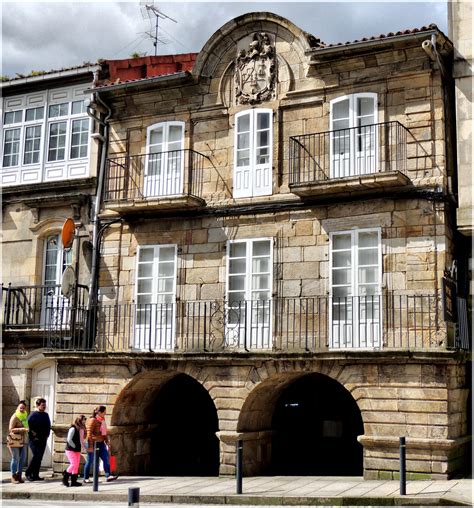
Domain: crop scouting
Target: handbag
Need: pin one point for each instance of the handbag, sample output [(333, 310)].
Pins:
[(14, 439), (113, 463)]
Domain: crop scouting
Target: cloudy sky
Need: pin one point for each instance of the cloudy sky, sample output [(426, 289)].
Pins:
[(50, 35)]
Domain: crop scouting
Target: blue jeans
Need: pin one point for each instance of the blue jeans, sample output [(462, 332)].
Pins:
[(103, 455), (18, 459)]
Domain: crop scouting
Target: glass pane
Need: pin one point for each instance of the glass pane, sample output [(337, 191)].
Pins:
[(341, 242), (260, 295), (236, 283), (341, 276), (243, 141), (260, 265), (167, 254), (175, 133), (261, 248), (368, 289), (341, 259), (144, 286), (143, 299), (146, 255), (166, 285), (365, 106), (262, 156), (78, 107), (145, 270), (243, 123), (260, 282), (263, 121), (236, 298), (368, 275), (165, 269), (340, 109), (237, 266), (341, 291), (368, 257), (58, 109), (156, 136), (243, 158), (238, 249), (262, 138), (368, 239), (13, 117)]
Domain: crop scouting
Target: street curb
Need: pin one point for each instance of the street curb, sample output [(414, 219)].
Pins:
[(241, 499)]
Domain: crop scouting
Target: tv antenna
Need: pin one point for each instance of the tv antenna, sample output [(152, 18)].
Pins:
[(149, 10)]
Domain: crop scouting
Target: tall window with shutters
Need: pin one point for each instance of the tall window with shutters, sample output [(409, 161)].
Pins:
[(156, 298), (249, 293), (354, 137), (164, 164), (253, 153), (355, 282)]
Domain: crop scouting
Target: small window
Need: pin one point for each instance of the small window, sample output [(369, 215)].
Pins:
[(56, 110), (253, 153), (11, 147), (32, 145), (79, 138), (13, 117), (34, 114), (57, 141)]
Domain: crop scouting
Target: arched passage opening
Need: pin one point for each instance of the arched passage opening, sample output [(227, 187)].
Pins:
[(165, 424), (309, 425)]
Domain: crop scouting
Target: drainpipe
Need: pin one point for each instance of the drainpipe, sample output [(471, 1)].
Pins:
[(104, 139)]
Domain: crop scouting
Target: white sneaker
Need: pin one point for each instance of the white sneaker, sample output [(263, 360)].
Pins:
[(111, 478), (87, 480)]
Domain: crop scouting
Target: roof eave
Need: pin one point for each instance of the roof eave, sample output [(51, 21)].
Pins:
[(142, 82), (33, 80), (360, 45)]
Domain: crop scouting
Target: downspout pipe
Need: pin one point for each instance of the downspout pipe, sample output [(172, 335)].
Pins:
[(104, 140)]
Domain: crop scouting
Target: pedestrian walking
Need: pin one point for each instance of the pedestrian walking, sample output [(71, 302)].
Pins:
[(96, 432), (39, 429), (16, 441), (74, 445)]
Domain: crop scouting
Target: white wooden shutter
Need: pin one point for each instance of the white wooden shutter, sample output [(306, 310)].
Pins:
[(262, 156)]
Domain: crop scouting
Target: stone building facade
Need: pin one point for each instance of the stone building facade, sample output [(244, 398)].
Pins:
[(275, 229)]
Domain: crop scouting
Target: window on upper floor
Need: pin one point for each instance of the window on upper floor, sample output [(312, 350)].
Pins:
[(355, 288), (164, 163), (156, 297), (65, 127), (353, 135), (249, 292), (253, 147)]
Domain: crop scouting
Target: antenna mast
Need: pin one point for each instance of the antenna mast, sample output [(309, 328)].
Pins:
[(151, 10)]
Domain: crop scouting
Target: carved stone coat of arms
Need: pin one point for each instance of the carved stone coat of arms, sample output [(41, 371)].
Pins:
[(255, 71)]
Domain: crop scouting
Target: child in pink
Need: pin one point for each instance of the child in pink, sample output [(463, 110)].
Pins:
[(74, 444)]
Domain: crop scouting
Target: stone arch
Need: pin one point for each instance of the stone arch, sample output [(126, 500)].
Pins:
[(263, 416), (162, 415)]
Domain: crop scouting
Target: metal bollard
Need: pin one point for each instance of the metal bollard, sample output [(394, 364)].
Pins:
[(95, 471), (238, 464), (403, 467), (134, 497)]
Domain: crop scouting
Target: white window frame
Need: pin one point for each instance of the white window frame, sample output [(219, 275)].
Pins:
[(357, 163), (251, 333), (152, 336), (32, 125), (247, 179), (170, 181), (352, 335), (12, 127)]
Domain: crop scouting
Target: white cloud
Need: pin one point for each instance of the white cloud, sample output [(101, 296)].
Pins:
[(51, 35)]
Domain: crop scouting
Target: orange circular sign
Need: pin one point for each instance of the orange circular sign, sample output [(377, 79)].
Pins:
[(67, 233)]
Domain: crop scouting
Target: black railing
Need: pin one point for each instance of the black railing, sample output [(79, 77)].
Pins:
[(342, 153), (40, 307), (154, 175), (317, 324)]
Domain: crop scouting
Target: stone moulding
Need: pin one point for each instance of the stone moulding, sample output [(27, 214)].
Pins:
[(419, 443)]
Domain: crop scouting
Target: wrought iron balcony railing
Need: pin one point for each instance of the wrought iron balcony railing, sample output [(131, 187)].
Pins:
[(317, 324), (154, 175), (343, 153), (40, 307)]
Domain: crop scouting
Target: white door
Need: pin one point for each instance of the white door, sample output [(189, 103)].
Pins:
[(353, 135), (355, 299), (54, 307), (43, 382), (156, 298), (164, 162), (249, 291), (253, 153)]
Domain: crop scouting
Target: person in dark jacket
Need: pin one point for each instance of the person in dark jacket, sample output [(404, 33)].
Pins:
[(39, 428), (74, 444)]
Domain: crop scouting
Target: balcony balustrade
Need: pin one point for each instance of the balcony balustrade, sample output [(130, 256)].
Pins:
[(165, 180), (349, 160), (40, 308), (317, 324)]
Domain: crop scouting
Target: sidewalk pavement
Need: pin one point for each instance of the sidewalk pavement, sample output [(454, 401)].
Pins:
[(262, 490)]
